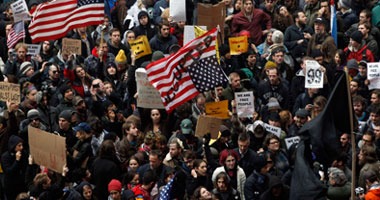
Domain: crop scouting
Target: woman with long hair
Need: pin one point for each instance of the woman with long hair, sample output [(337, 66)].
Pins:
[(199, 177), (222, 188), (79, 78), (201, 193)]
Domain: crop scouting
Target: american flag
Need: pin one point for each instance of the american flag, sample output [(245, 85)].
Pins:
[(52, 20), (16, 33), (182, 75), (165, 193)]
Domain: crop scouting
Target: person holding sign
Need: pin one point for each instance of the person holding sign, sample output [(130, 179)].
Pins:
[(234, 86)]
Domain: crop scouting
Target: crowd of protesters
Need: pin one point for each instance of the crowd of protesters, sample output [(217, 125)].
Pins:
[(118, 150)]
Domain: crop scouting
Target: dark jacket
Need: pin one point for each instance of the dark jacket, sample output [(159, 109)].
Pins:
[(103, 170), (84, 150), (280, 92), (49, 117), (193, 183), (292, 34), (275, 182), (230, 194), (14, 171), (349, 18), (159, 43), (255, 185), (247, 161), (160, 172), (149, 29)]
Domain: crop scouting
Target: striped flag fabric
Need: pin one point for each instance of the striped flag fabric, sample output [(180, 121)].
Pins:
[(186, 73), (52, 20), (165, 193), (333, 24), (16, 33)]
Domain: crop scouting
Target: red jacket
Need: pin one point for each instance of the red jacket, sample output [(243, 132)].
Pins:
[(69, 74), (140, 193), (359, 54), (240, 22), (373, 193)]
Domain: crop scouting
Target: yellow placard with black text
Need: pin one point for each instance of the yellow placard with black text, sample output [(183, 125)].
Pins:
[(140, 46), (217, 109), (238, 45)]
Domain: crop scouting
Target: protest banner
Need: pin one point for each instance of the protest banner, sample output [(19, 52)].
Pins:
[(148, 96), (10, 92), (314, 75), (373, 75), (206, 125), (238, 45), (71, 45), (189, 33), (33, 49), (47, 149), (20, 11), (140, 46), (245, 106), (273, 129), (217, 109), (292, 140), (212, 15), (177, 10)]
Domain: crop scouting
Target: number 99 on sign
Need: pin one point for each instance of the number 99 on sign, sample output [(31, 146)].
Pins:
[(314, 76)]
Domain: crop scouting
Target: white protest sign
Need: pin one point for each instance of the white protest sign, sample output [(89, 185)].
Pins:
[(178, 10), (373, 75), (292, 140), (314, 75), (148, 96), (33, 49), (273, 129), (244, 104), (20, 11), (189, 33)]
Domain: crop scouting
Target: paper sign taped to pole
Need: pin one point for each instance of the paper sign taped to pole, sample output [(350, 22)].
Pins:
[(238, 45), (206, 125), (33, 49), (148, 96), (47, 149), (273, 129), (140, 46), (10, 92), (217, 109), (245, 106), (20, 11), (71, 45), (314, 75), (373, 75), (178, 10)]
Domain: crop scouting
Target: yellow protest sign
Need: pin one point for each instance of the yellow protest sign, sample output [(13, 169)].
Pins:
[(140, 46), (238, 45), (217, 109), (199, 31)]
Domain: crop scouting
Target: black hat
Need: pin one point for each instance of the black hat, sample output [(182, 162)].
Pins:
[(357, 36), (320, 20), (274, 116), (259, 163), (302, 113)]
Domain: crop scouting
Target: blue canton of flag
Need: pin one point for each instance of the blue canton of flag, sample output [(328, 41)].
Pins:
[(86, 2), (207, 74), (165, 193), (333, 24)]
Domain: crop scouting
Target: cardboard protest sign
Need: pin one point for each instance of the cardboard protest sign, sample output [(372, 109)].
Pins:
[(20, 11), (217, 109), (212, 15), (148, 97), (10, 92), (206, 125), (314, 75), (71, 45), (189, 33), (373, 75), (47, 149), (140, 46), (238, 45), (245, 106), (273, 129), (292, 140), (33, 49), (178, 10)]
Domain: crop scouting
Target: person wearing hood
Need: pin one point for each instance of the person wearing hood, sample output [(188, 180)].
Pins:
[(257, 134), (163, 40), (14, 163), (95, 64), (258, 182), (276, 191), (146, 26), (86, 191), (48, 114)]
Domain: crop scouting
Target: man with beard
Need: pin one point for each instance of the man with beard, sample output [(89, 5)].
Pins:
[(273, 87), (163, 40), (297, 36), (320, 38), (368, 161), (80, 108), (301, 117)]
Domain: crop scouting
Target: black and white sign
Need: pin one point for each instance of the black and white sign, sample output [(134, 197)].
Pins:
[(33, 49), (314, 75), (292, 140), (273, 129), (373, 75), (20, 10), (245, 106)]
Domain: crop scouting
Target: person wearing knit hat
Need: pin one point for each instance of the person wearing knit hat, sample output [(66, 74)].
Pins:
[(115, 188), (357, 36), (345, 4), (121, 59), (273, 104), (357, 49), (270, 65), (25, 67), (157, 55), (33, 114)]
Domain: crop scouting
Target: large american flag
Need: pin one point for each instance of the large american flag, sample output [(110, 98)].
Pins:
[(165, 193), (52, 20), (16, 33), (199, 72)]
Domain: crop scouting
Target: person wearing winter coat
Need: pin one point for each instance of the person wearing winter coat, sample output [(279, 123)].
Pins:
[(222, 188), (229, 159), (276, 191), (146, 26), (258, 182), (14, 163), (163, 40)]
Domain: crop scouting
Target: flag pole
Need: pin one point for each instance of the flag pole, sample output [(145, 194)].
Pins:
[(353, 143)]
